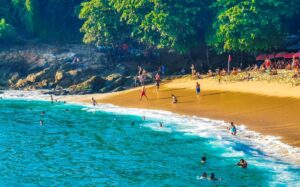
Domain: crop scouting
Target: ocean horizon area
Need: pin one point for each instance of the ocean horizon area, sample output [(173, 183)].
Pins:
[(79, 144)]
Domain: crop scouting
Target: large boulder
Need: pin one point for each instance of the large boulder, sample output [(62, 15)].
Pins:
[(93, 84)]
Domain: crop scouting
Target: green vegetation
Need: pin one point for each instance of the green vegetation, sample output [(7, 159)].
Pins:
[(6, 30), (182, 25)]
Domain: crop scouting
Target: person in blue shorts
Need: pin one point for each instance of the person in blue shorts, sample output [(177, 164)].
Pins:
[(198, 88)]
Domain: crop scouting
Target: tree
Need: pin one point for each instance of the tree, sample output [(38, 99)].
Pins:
[(6, 30), (248, 26), (102, 24), (176, 24)]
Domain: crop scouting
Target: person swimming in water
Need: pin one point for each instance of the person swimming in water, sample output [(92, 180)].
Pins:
[(203, 176), (42, 113), (213, 178), (232, 129), (67, 110), (41, 122), (132, 123), (203, 159), (144, 118), (160, 124), (242, 163)]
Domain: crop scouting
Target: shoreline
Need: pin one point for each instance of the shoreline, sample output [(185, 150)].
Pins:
[(262, 112), (128, 101)]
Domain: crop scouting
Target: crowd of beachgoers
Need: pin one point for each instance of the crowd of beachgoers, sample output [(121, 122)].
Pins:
[(280, 71)]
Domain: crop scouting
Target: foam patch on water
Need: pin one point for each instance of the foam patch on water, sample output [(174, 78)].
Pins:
[(29, 95)]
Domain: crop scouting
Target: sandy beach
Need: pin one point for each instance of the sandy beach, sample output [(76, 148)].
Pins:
[(268, 108)]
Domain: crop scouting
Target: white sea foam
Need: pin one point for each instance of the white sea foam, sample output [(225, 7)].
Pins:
[(193, 125), (29, 95), (215, 129)]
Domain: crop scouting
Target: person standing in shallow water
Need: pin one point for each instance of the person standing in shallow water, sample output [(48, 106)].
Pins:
[(51, 97), (94, 102), (232, 129)]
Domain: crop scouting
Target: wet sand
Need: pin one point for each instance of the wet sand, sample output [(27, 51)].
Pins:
[(274, 110)]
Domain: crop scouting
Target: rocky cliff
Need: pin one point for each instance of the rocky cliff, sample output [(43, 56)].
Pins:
[(76, 68)]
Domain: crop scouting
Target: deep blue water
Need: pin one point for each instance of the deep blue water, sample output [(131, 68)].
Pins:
[(81, 148)]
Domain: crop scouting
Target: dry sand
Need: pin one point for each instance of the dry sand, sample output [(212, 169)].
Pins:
[(268, 108)]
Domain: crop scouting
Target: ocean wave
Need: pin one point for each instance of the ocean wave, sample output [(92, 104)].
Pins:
[(216, 129)]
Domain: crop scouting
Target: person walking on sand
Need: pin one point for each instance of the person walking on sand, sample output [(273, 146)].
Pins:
[(197, 88), (157, 80), (174, 99), (143, 93)]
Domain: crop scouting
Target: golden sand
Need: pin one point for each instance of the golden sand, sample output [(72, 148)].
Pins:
[(268, 108)]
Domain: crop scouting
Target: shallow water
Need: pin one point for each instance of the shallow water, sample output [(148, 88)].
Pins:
[(86, 147)]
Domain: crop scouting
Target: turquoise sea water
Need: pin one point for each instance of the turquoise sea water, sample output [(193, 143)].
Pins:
[(83, 147)]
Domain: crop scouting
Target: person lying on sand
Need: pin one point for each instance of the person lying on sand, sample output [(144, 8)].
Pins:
[(174, 99), (242, 163)]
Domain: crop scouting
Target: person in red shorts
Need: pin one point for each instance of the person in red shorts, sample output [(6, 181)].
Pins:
[(143, 93)]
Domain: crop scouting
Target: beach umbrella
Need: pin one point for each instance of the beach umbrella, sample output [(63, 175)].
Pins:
[(280, 55), (289, 55), (271, 56), (297, 54), (261, 57)]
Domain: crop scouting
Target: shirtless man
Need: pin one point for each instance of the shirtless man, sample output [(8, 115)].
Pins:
[(94, 102), (143, 93)]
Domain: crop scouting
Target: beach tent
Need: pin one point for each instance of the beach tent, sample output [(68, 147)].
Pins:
[(297, 54), (261, 57), (280, 55), (289, 55)]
